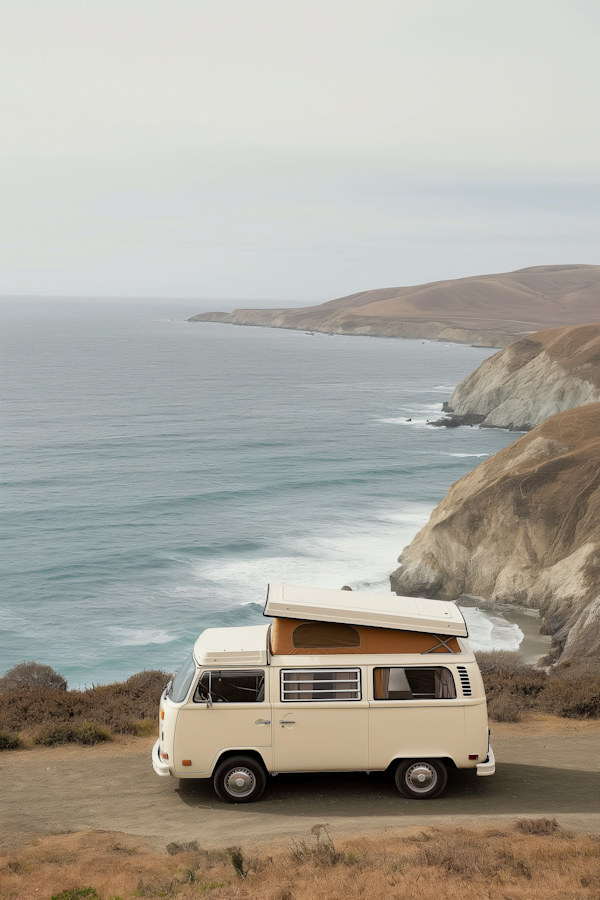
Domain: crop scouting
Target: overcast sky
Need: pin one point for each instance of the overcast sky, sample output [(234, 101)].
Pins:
[(293, 150)]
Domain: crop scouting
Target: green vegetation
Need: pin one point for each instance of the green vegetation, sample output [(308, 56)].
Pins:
[(88, 893)]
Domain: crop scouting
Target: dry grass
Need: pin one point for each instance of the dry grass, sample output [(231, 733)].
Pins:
[(49, 716), (571, 690), (525, 861)]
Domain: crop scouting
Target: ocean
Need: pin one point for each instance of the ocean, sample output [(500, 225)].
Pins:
[(158, 473)]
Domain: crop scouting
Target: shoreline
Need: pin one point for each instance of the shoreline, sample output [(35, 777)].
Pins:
[(445, 334), (534, 645)]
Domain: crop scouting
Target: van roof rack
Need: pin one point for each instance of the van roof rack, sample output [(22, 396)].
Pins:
[(440, 617)]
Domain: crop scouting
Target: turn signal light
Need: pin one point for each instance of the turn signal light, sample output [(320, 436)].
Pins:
[(186, 762), (162, 713), (165, 755), (473, 755)]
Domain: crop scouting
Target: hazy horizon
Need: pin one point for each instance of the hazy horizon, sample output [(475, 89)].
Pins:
[(293, 152)]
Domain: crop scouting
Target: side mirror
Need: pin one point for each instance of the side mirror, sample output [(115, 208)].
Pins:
[(208, 699)]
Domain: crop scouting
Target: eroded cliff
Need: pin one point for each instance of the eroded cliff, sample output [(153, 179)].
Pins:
[(523, 528), (531, 380)]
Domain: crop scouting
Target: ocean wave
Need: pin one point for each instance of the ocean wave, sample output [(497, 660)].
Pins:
[(361, 557), (491, 632), (140, 637), (466, 455)]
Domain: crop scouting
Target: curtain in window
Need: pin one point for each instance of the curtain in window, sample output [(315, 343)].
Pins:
[(382, 684), (444, 685)]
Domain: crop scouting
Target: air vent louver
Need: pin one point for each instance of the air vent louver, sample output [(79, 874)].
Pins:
[(464, 680)]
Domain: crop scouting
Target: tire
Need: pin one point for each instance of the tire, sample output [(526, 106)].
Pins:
[(421, 779), (239, 779)]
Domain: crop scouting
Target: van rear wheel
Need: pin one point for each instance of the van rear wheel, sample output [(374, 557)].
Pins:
[(421, 779), (239, 779)]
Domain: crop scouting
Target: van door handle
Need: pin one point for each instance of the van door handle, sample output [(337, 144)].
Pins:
[(263, 722), (287, 721)]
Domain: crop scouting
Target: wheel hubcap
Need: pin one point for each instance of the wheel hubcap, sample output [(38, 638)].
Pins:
[(421, 777), (239, 782)]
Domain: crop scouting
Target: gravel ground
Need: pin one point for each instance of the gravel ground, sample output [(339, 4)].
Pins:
[(545, 767)]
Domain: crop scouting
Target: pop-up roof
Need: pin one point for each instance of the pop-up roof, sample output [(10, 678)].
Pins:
[(359, 608)]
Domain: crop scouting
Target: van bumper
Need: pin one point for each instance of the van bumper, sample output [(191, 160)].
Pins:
[(160, 767), (489, 766)]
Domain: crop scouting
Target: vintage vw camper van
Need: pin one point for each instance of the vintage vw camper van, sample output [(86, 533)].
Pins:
[(335, 681)]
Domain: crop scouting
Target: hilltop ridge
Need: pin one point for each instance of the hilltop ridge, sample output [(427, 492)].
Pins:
[(485, 310)]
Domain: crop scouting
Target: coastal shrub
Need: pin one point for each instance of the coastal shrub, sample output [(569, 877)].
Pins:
[(573, 691), (88, 733), (505, 708), (10, 741), (27, 675), (237, 860), (537, 826), (511, 685), (128, 707), (491, 662)]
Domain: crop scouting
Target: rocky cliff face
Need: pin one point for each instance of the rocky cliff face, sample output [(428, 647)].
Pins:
[(531, 380), (523, 528), (485, 310)]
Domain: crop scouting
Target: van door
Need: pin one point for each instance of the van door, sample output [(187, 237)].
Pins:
[(415, 712), (228, 709), (320, 720)]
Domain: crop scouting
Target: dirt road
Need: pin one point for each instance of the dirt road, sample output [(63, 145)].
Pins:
[(545, 767)]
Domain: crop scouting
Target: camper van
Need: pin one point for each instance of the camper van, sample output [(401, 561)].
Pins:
[(336, 681)]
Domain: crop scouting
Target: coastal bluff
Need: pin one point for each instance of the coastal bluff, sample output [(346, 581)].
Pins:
[(483, 310), (523, 528), (531, 380)]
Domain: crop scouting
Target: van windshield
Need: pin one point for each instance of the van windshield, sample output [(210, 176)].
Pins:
[(182, 680)]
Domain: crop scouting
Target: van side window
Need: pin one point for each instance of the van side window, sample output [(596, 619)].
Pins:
[(413, 683), (320, 684), (232, 687)]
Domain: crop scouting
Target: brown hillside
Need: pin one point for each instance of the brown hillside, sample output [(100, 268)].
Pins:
[(524, 528), (486, 309)]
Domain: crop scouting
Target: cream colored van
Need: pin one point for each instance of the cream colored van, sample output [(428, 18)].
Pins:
[(337, 681)]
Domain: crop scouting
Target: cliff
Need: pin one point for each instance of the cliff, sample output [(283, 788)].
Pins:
[(531, 380), (523, 528), (486, 310)]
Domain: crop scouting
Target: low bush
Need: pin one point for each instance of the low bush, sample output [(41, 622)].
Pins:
[(537, 826), (9, 741), (571, 690), (88, 733), (50, 716), (32, 675)]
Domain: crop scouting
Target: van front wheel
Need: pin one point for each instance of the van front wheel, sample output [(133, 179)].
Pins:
[(239, 779), (421, 779)]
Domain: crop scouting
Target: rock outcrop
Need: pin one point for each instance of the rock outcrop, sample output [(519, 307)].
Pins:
[(523, 528), (485, 310), (530, 381)]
